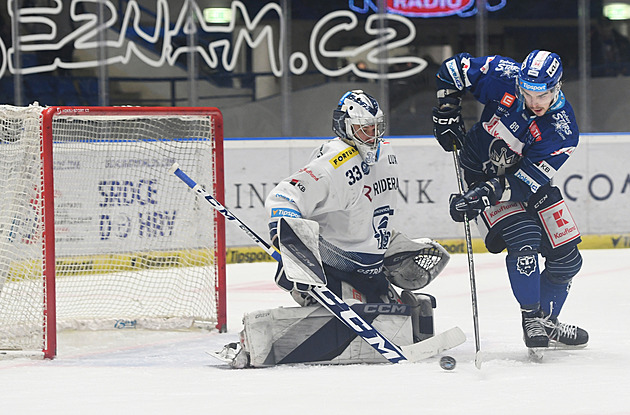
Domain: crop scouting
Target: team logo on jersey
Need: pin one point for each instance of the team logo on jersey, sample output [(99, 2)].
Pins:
[(500, 157), (343, 156), (526, 264), (508, 100), (562, 124), (365, 168), (508, 69), (380, 225)]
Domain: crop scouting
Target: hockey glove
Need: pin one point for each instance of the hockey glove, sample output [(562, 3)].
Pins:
[(476, 199), (448, 127)]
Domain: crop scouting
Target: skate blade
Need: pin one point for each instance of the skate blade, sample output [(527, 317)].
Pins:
[(536, 354), (561, 346)]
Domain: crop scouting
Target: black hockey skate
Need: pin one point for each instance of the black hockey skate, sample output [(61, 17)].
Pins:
[(563, 335), (534, 333)]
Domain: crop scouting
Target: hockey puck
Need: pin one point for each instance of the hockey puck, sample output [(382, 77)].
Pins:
[(448, 362)]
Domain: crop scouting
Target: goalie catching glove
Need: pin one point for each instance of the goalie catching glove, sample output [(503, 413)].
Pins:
[(413, 264), (479, 197)]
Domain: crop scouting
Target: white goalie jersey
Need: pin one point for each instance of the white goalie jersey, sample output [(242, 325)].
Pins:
[(353, 203)]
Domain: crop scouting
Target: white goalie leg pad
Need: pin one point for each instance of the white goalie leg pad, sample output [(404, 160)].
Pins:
[(311, 335), (413, 264)]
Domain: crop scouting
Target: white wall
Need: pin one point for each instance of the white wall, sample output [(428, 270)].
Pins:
[(595, 182)]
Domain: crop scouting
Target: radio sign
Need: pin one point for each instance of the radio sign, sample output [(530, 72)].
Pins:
[(425, 8), (428, 8)]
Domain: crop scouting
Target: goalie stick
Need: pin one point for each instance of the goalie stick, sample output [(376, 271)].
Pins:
[(329, 300)]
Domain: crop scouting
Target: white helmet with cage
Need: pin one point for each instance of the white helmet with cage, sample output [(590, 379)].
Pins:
[(359, 121)]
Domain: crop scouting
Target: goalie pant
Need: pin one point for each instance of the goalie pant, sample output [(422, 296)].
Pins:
[(311, 335)]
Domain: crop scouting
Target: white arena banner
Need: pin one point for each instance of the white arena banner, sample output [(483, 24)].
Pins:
[(131, 208), (595, 183)]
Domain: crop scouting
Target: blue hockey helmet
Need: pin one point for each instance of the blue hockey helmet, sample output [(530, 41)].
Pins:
[(540, 71), (359, 121)]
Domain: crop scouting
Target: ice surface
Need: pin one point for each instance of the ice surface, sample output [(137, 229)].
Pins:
[(140, 372)]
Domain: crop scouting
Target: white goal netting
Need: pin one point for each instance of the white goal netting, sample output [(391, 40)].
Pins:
[(134, 247)]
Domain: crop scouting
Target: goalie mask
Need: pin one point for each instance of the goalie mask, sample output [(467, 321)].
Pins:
[(359, 121)]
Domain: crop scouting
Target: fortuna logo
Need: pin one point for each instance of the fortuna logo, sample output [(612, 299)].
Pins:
[(557, 216), (343, 156)]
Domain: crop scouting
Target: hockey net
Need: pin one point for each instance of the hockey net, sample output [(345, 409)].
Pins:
[(117, 242)]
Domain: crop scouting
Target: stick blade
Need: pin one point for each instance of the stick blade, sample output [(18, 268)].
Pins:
[(299, 247), (432, 346), (479, 358)]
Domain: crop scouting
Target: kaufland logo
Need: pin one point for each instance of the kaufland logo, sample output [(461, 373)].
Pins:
[(428, 8), (557, 216)]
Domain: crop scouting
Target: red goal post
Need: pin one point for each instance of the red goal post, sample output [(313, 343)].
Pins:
[(95, 233)]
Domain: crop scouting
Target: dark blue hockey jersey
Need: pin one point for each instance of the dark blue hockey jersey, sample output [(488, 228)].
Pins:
[(509, 139)]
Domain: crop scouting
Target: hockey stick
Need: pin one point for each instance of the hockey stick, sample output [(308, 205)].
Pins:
[(337, 306), (471, 265), (319, 291)]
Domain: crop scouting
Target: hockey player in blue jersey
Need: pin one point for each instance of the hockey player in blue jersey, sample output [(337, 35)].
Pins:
[(526, 133)]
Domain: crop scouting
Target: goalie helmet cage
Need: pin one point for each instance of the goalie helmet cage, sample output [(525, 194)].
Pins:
[(117, 241)]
